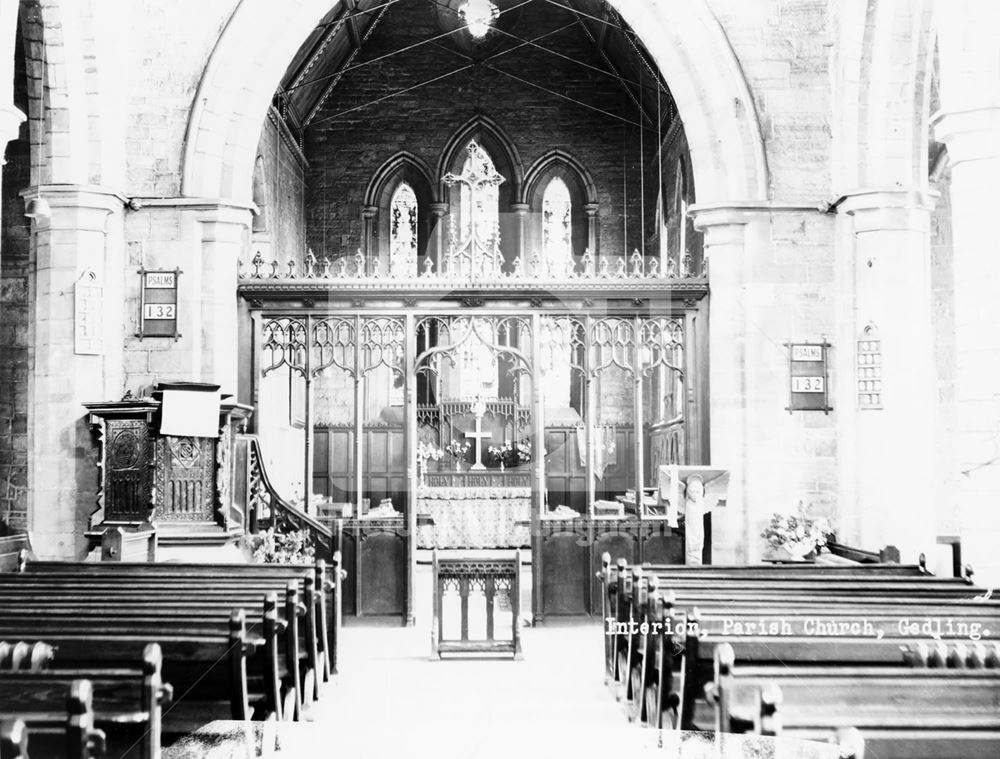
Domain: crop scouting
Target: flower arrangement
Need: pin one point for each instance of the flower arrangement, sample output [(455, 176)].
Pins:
[(510, 454), (798, 534), (458, 451), (272, 547), (427, 451)]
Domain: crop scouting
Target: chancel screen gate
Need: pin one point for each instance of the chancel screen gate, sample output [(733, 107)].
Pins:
[(480, 396)]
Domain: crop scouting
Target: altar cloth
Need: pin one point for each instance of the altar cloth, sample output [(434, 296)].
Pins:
[(492, 517)]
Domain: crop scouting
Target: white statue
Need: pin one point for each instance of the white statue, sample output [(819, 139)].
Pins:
[(693, 491)]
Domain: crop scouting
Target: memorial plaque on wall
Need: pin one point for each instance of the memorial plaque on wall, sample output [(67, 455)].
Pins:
[(88, 316), (808, 377), (158, 304)]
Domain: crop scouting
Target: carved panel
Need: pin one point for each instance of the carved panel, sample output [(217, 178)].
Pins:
[(127, 476), (185, 480), (223, 454)]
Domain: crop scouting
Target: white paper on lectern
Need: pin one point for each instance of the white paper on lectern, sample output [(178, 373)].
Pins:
[(194, 414)]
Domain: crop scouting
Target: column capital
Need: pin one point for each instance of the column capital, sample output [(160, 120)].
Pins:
[(437, 209), (591, 209), (884, 209), (725, 224), (521, 209), (369, 212), (72, 206), (972, 135)]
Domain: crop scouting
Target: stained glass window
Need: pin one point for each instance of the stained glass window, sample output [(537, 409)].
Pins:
[(479, 203), (557, 225), (403, 230)]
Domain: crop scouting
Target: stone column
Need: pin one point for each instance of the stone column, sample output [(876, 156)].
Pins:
[(725, 231), (969, 125), (224, 234), (369, 218), (973, 142), (885, 447), (10, 116), (77, 239), (521, 218), (438, 213), (591, 210)]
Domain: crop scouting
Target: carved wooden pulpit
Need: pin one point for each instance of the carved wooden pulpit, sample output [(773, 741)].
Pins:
[(179, 485)]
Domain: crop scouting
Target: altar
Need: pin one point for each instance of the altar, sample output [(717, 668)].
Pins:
[(474, 517)]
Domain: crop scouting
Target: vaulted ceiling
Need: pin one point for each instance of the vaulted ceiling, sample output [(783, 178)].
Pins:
[(336, 47)]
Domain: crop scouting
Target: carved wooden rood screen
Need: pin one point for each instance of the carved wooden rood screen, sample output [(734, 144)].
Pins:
[(369, 403), (465, 392)]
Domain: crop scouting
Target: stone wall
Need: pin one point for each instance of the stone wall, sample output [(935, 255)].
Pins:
[(344, 152), (785, 48), (15, 270), (279, 229)]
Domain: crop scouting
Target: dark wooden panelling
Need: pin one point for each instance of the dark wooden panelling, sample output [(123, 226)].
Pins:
[(384, 459), (383, 572), (564, 581)]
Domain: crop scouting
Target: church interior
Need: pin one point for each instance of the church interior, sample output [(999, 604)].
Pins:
[(341, 336)]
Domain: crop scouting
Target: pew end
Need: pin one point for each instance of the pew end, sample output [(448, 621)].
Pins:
[(850, 742), (13, 739)]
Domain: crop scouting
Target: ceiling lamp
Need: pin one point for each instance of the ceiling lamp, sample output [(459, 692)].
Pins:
[(479, 16)]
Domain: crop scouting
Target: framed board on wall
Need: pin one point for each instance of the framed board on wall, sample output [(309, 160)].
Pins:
[(808, 377), (158, 304)]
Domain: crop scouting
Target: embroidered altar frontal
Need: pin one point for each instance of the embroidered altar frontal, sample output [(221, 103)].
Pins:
[(490, 517)]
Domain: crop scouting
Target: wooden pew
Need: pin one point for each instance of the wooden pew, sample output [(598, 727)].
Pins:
[(267, 673), (20, 655), (13, 739), (75, 736), (297, 646), (636, 665), (328, 584), (757, 590), (12, 548), (125, 704), (901, 713)]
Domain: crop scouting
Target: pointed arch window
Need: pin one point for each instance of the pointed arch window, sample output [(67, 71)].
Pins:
[(557, 224), (479, 210), (403, 229)]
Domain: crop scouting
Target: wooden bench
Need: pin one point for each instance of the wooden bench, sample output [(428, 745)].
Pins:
[(636, 661), (76, 739), (123, 705), (327, 583), (12, 549), (283, 667), (208, 662), (901, 713), (758, 590), (13, 739)]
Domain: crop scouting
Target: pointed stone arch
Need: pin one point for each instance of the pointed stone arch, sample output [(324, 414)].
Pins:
[(688, 45)]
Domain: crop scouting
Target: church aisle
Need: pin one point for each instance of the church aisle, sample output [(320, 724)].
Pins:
[(392, 700)]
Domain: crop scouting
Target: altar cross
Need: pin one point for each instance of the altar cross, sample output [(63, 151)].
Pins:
[(479, 435)]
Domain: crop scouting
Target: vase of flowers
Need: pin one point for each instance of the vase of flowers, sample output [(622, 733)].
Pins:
[(511, 454), (796, 537), (425, 452), (458, 451)]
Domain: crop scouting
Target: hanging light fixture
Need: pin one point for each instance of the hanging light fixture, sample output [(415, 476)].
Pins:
[(478, 16)]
